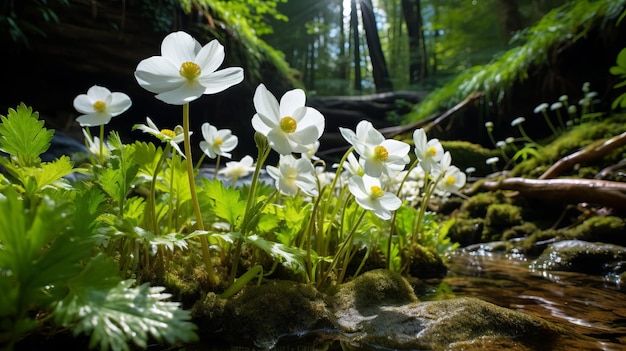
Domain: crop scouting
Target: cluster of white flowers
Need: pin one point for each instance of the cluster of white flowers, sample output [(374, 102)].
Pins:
[(377, 178)]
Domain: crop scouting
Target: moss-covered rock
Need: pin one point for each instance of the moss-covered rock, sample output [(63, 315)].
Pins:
[(607, 229), (499, 218), (580, 256)]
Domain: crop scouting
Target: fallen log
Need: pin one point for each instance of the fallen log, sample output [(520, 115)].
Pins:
[(591, 152), (602, 192)]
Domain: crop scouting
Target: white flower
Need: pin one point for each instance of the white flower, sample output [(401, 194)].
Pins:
[(368, 194), (518, 120), (452, 180), (555, 106), (470, 170), (217, 142), (237, 169), (289, 126), (293, 174), (492, 160), (99, 105), (563, 98), (428, 152), (173, 137), (186, 70), (489, 125), (354, 166), (501, 144), (311, 150), (541, 107), (93, 145), (380, 155)]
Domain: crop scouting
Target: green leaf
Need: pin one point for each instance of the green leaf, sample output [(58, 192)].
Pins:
[(117, 315), (23, 136), (291, 257), (228, 203), (51, 172)]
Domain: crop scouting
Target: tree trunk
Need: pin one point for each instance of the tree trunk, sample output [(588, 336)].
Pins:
[(379, 66), (354, 26), (417, 49), (510, 17)]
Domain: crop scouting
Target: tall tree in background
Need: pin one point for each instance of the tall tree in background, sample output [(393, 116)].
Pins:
[(418, 60), (510, 17), (354, 29), (382, 81)]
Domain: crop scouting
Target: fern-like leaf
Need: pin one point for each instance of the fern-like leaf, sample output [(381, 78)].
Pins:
[(117, 314)]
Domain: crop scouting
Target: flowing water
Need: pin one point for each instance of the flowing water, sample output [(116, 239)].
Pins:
[(594, 306)]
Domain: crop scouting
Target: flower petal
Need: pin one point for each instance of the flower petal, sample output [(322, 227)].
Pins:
[(211, 56), (157, 75), (291, 101), (266, 104), (183, 94), (83, 104), (221, 80), (279, 141), (93, 119), (179, 47)]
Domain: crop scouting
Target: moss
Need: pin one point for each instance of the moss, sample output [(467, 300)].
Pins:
[(466, 231), (607, 229), (573, 140), (523, 230), (499, 218), (476, 206), (465, 154), (374, 288), (293, 307), (561, 25), (426, 263)]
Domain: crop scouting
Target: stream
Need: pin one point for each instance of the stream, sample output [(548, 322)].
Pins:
[(594, 306)]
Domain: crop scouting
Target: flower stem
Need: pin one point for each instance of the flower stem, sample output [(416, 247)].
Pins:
[(102, 144), (206, 253), (152, 204), (263, 151), (523, 132), (549, 122)]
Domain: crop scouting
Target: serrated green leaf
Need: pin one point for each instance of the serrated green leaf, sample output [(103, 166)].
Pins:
[(118, 316), (291, 257), (51, 172), (228, 203), (23, 135)]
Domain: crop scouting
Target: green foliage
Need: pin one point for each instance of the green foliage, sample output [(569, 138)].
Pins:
[(115, 313), (51, 260), (226, 202), (23, 136), (19, 29), (569, 22), (620, 71)]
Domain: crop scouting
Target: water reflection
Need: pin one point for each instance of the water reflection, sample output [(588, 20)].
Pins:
[(590, 305)]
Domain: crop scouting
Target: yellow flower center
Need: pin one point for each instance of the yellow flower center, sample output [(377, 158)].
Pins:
[(381, 153), (218, 141), (377, 191), (288, 124), (432, 151), (99, 106), (450, 180), (168, 133), (190, 70)]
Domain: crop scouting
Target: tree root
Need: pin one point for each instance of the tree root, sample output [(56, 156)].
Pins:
[(602, 192)]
